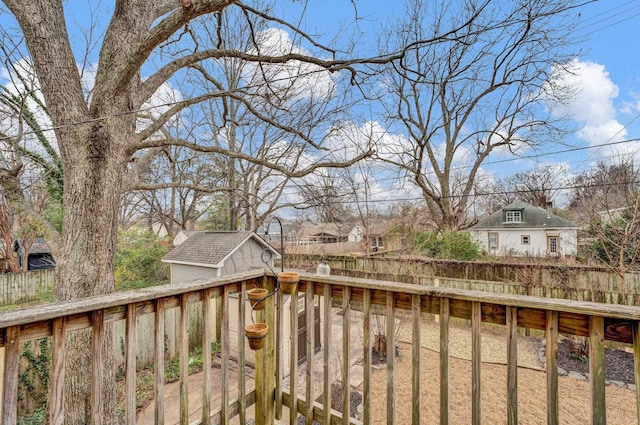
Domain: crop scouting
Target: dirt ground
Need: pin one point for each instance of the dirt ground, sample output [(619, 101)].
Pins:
[(574, 393), (532, 405)]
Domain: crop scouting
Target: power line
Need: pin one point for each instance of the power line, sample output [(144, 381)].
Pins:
[(474, 195), (168, 104), (614, 8)]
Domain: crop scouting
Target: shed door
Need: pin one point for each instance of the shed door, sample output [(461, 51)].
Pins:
[(302, 328)]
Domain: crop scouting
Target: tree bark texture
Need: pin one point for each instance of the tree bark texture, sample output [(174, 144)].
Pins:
[(95, 139)]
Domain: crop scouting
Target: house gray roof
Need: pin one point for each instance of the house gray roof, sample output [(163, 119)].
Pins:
[(210, 248), (319, 229), (382, 228), (38, 246), (532, 217)]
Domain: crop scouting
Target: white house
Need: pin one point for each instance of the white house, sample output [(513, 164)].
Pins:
[(355, 235), (522, 229)]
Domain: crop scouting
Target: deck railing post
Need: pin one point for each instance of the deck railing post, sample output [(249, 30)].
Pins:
[(266, 363), (600, 323), (11, 369), (596, 370)]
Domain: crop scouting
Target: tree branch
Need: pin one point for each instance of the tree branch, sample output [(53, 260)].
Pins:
[(259, 161)]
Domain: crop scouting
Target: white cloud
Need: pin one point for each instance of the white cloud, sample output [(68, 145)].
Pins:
[(160, 102), (294, 79), (27, 83), (347, 139), (592, 104), (163, 99), (88, 78)]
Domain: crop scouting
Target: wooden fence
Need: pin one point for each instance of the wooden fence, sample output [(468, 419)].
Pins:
[(311, 390), (19, 288), (579, 283)]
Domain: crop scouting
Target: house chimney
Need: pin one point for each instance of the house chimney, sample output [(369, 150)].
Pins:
[(542, 201)]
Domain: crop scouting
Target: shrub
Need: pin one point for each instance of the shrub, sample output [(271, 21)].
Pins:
[(452, 245), (138, 261)]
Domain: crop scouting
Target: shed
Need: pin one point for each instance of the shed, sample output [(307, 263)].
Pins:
[(206, 254), (39, 256), (215, 254)]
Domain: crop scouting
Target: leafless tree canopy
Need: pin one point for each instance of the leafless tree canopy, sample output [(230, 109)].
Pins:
[(463, 87), (477, 93), (539, 187), (606, 200)]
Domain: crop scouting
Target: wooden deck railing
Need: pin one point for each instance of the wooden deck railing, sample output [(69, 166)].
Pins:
[(279, 382)]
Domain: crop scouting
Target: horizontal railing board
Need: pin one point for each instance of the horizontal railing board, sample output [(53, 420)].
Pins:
[(573, 315), (522, 301), (233, 409), (318, 410), (35, 321), (118, 299)]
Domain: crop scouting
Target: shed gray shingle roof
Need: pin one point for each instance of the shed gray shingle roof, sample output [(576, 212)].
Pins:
[(208, 248), (534, 217)]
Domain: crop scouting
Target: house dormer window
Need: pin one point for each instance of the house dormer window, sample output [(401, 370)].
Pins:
[(513, 216)]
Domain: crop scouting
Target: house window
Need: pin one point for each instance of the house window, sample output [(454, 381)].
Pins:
[(525, 239), (376, 242), (493, 241), (513, 216), (552, 245)]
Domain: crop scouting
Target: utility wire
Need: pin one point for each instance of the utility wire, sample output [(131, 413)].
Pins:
[(476, 194), (168, 104)]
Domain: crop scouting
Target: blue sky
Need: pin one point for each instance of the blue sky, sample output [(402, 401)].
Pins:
[(607, 109)]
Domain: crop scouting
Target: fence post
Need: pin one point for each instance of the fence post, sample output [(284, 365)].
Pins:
[(266, 362)]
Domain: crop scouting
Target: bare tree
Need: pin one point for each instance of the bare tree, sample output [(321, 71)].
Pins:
[(174, 186), (326, 197), (29, 156), (7, 237), (304, 102), (606, 186), (473, 95), (540, 187), (98, 132), (607, 199)]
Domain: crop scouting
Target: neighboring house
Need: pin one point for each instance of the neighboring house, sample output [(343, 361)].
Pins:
[(321, 233), (39, 256), (274, 235), (356, 234), (183, 235), (608, 216), (161, 231), (522, 229), (385, 236)]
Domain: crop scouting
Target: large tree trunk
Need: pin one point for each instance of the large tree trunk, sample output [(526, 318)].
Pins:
[(91, 199), (93, 168)]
